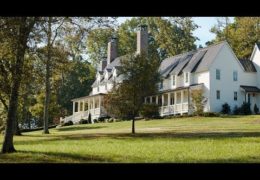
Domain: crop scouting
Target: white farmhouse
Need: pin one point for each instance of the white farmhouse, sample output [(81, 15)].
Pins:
[(215, 69)]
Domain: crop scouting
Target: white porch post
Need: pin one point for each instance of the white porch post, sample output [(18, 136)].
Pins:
[(151, 99), (162, 100), (145, 100), (175, 101), (181, 102), (156, 100), (169, 102), (73, 107), (94, 103)]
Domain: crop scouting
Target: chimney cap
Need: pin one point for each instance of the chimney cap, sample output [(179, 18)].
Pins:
[(142, 26)]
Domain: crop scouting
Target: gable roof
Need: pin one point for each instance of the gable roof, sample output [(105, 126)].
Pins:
[(247, 65), (193, 61)]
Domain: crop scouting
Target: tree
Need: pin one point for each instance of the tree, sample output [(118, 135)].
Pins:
[(18, 29), (242, 34), (197, 101), (141, 76)]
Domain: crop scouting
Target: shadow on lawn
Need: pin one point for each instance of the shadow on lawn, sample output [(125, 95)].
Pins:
[(144, 136), (78, 128), (68, 157)]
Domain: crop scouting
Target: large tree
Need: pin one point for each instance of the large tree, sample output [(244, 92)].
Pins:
[(242, 34), (18, 29), (141, 76)]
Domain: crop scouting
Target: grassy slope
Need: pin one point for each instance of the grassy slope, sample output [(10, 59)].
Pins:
[(233, 139)]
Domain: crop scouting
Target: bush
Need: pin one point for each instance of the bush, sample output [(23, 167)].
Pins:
[(244, 109), (236, 110), (225, 108), (149, 111), (83, 121), (256, 109), (69, 123), (89, 118), (210, 114)]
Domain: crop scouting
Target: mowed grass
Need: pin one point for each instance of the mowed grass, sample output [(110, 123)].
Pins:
[(180, 140)]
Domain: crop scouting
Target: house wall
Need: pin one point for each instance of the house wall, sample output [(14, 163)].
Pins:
[(227, 63), (203, 77), (256, 61)]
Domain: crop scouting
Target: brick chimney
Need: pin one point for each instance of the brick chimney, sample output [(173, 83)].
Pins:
[(112, 50), (103, 64), (142, 39)]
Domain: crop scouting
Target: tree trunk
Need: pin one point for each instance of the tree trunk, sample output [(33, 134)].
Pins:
[(133, 125), (47, 82), (23, 34)]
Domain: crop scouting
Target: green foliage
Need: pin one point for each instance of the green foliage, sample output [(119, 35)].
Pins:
[(197, 101), (210, 114), (242, 34), (149, 111), (69, 123), (225, 108), (141, 78), (244, 109), (256, 109), (76, 82), (236, 110), (83, 121)]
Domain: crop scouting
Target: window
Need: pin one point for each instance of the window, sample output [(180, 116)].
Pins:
[(235, 96), (218, 94), (186, 77), (161, 84), (173, 80), (217, 74), (235, 75)]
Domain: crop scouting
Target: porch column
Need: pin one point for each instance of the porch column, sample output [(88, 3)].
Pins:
[(145, 100), (151, 99), (156, 100), (162, 99), (94, 103), (99, 104), (73, 107), (175, 101), (169, 99), (181, 101)]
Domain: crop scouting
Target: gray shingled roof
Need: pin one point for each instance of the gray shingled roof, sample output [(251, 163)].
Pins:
[(250, 88), (247, 65), (192, 61)]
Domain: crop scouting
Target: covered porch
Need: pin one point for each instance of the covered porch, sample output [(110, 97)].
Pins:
[(251, 95), (84, 106), (171, 103)]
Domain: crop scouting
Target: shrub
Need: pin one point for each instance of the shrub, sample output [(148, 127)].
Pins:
[(83, 121), (89, 118), (69, 123), (256, 109), (197, 101), (236, 110), (210, 114), (225, 108), (149, 111)]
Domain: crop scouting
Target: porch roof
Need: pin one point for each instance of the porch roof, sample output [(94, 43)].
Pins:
[(85, 97), (250, 88), (181, 88)]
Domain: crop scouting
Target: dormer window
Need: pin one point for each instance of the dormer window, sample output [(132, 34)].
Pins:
[(186, 77), (161, 84), (173, 80)]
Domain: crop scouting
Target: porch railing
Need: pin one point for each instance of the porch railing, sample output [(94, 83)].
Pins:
[(174, 109)]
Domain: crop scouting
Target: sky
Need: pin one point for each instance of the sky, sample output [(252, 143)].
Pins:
[(203, 32)]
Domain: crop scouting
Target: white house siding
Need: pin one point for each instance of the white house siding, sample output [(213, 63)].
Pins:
[(256, 61), (203, 77), (227, 63)]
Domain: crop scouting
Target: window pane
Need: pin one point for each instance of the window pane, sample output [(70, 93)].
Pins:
[(218, 94), (235, 96), (218, 74)]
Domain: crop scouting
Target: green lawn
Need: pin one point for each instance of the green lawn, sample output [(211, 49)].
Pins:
[(180, 140)]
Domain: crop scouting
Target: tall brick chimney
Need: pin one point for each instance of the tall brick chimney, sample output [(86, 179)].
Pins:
[(112, 50), (103, 64), (142, 39)]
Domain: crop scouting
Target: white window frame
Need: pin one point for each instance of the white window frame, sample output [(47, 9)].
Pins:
[(235, 95), (218, 94), (186, 77), (218, 76), (235, 76)]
